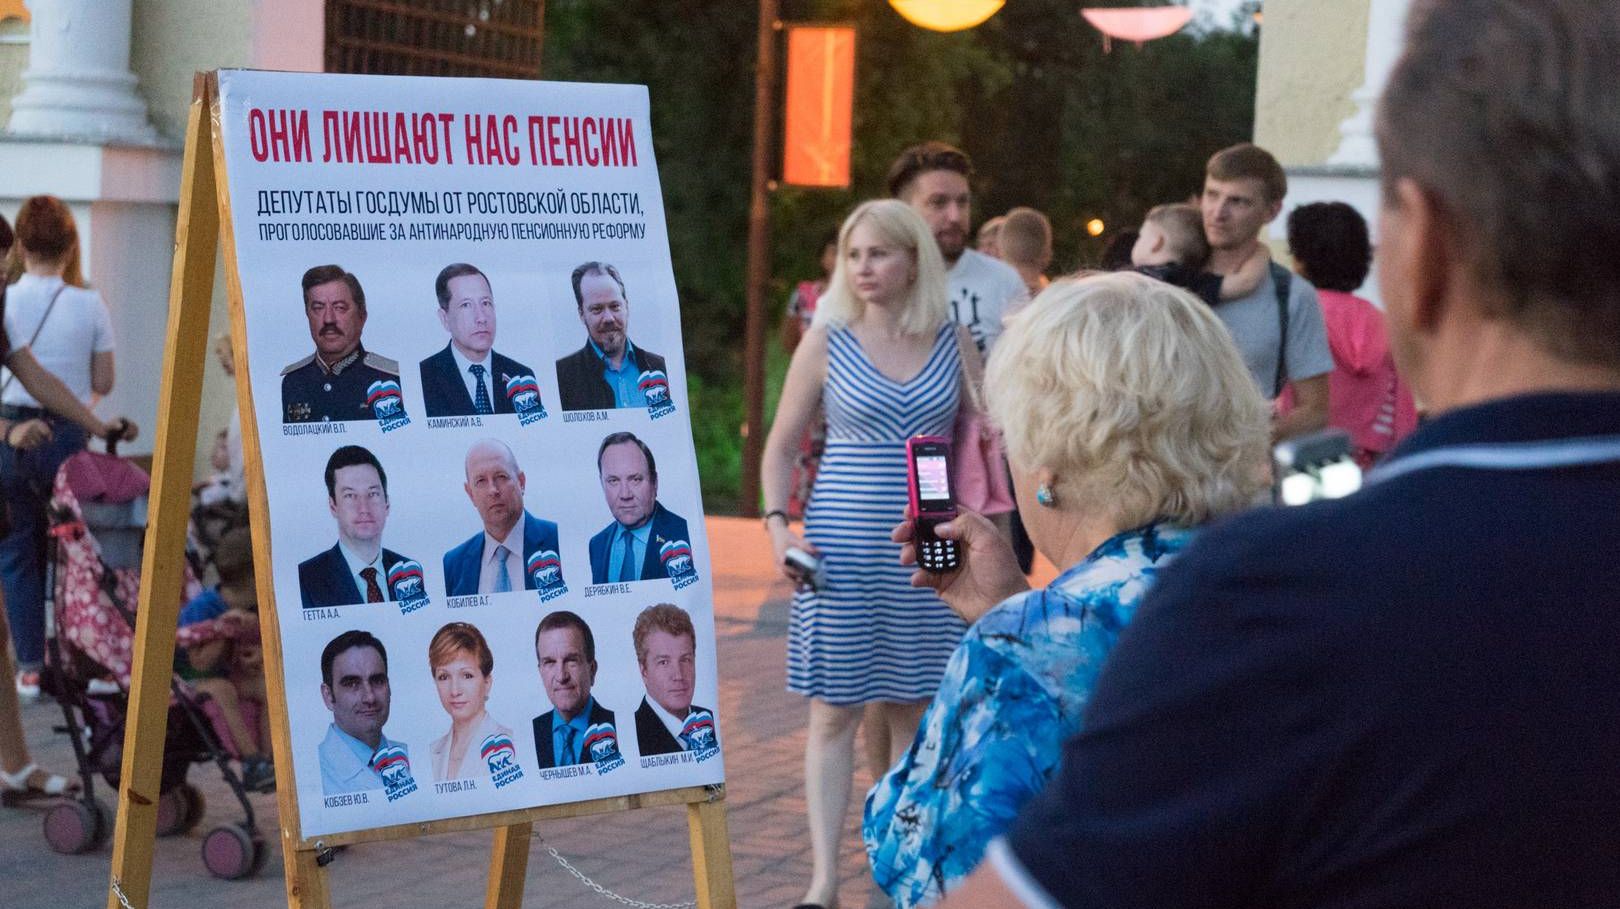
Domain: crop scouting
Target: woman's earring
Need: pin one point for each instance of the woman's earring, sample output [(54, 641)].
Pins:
[(1043, 495)]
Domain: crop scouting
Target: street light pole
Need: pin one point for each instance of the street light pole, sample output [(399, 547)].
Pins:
[(759, 230)]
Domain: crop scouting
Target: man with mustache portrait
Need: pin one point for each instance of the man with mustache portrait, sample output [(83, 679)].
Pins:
[(332, 383)]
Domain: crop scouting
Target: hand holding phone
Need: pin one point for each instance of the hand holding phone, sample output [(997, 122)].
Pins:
[(804, 568), (928, 474)]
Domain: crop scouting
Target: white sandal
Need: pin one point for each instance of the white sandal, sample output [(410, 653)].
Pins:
[(16, 784)]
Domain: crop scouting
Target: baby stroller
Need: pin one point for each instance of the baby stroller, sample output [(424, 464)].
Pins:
[(97, 520)]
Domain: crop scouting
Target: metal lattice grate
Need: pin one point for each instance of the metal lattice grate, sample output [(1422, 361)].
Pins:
[(435, 37)]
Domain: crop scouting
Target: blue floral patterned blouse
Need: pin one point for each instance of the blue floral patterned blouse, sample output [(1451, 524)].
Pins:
[(1012, 694)]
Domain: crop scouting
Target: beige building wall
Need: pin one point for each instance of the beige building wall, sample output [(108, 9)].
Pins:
[(172, 39), (1312, 56), (13, 59)]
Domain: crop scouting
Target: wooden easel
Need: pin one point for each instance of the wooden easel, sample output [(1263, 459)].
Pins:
[(205, 219)]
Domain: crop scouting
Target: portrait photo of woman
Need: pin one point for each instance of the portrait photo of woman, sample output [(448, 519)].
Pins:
[(463, 668)]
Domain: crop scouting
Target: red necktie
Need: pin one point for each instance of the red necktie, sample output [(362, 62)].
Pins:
[(373, 592)]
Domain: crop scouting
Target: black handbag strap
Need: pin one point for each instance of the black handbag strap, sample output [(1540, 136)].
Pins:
[(1283, 279)]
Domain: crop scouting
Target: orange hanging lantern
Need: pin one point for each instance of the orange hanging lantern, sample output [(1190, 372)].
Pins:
[(1137, 24), (820, 103), (946, 15)]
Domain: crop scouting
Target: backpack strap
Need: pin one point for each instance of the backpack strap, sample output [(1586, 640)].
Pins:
[(1283, 279)]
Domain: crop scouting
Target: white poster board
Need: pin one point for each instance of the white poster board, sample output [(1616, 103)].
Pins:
[(394, 180)]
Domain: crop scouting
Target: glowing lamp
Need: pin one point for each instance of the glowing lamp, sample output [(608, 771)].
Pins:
[(1095, 227), (820, 102), (946, 15), (1137, 24)]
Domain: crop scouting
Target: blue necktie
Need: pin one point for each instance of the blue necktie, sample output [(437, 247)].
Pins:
[(503, 579), (481, 398), (627, 558), (568, 756)]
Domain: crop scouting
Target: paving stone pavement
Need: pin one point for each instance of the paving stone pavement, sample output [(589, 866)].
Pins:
[(641, 854)]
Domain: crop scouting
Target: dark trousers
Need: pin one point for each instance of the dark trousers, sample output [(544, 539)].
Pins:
[(25, 480)]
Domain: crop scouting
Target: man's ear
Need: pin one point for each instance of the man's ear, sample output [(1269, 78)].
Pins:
[(1426, 257)]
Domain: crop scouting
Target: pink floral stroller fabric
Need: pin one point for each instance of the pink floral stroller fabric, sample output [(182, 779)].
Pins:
[(88, 621)]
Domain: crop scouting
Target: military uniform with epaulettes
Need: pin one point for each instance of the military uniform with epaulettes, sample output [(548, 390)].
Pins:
[(312, 392)]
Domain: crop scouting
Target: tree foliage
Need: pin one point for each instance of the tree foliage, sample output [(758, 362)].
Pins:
[(1051, 121)]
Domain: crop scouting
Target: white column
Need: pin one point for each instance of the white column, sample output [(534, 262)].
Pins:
[(1386, 22), (78, 85)]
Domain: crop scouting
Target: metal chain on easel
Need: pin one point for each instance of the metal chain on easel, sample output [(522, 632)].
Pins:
[(603, 891), (118, 891)]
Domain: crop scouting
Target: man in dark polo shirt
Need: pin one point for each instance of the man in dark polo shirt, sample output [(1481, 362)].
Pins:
[(332, 383), (1409, 697)]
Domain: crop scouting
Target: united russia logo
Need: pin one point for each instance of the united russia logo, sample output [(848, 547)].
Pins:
[(545, 568), (405, 581), (655, 386), (388, 404), (698, 735), (677, 558), (392, 764), (602, 746), (524, 393), (500, 756)]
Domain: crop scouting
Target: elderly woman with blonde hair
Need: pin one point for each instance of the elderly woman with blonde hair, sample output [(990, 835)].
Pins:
[(1129, 419)]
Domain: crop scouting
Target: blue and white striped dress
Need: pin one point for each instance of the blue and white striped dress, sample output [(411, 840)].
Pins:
[(868, 635)]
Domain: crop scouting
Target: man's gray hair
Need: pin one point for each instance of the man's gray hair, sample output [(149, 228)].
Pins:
[(1507, 114)]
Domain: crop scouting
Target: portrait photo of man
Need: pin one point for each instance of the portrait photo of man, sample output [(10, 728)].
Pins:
[(666, 650), (566, 651), (332, 383), (468, 376), (354, 686), (628, 548), (355, 569), (495, 559), (606, 372)]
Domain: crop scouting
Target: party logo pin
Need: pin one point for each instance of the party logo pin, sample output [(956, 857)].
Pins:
[(405, 582), (677, 558), (500, 756), (524, 393), (602, 746), (698, 735), (655, 386), (545, 568), (392, 764), (387, 404)]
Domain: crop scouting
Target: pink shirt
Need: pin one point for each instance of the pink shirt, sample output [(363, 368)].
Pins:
[(1366, 397)]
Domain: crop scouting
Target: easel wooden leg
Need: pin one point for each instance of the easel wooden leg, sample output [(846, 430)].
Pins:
[(508, 867), (711, 854), (162, 568), (306, 879)]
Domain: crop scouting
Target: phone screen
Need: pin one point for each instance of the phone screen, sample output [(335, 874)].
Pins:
[(933, 483)]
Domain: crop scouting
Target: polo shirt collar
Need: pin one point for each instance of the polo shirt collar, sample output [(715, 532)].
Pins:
[(1521, 418)]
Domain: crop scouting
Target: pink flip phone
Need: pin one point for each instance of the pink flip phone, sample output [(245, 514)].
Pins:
[(928, 474)]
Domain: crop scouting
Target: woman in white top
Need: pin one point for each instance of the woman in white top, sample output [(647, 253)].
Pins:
[(462, 672), (66, 327), (20, 778)]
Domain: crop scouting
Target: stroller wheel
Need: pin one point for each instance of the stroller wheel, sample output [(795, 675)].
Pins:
[(196, 805), (232, 852), (171, 812), (75, 827), (179, 810)]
